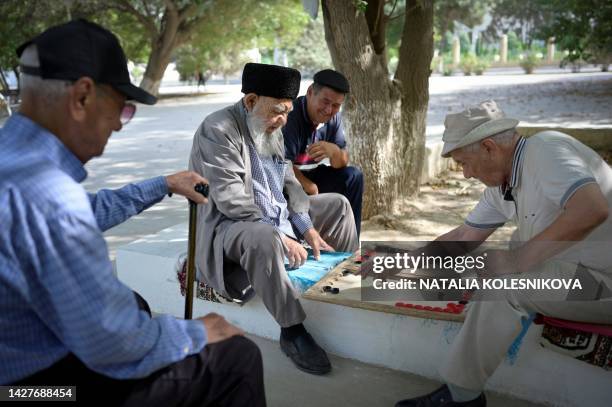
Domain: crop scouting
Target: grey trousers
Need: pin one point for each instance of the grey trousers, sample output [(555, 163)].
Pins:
[(258, 248), (491, 327)]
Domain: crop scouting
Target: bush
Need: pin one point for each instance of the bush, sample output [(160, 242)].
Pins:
[(574, 60), (481, 66), (448, 70), (471, 64), (468, 64), (529, 62)]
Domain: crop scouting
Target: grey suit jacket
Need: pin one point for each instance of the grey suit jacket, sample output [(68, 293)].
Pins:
[(220, 153)]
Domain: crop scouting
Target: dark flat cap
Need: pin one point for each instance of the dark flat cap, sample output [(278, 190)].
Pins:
[(332, 79), (271, 80)]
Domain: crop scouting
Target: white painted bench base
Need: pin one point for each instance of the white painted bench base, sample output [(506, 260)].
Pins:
[(398, 342)]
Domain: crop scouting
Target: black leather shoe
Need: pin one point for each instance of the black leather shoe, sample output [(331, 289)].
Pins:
[(306, 354), (441, 397)]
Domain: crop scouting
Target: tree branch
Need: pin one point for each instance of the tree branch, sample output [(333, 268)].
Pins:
[(393, 9), (145, 6), (187, 12), (147, 21), (377, 25), (170, 5)]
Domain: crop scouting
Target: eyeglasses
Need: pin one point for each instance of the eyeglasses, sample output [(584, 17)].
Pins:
[(127, 111)]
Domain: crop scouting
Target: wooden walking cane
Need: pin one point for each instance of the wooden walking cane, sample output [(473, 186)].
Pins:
[(191, 243)]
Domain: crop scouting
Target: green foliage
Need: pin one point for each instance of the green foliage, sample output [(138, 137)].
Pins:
[(507, 15), (448, 68), (465, 43), (529, 62), (23, 19), (239, 25), (310, 53), (471, 64), (467, 12), (468, 64), (515, 46), (581, 27), (481, 66), (223, 30), (361, 5), (133, 39)]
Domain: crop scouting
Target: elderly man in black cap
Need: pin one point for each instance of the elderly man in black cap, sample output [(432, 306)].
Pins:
[(65, 319), (258, 211), (316, 145)]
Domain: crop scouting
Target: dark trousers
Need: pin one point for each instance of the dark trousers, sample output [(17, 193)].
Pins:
[(226, 373), (347, 181)]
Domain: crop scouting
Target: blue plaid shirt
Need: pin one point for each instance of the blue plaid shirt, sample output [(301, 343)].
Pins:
[(268, 180), (58, 294)]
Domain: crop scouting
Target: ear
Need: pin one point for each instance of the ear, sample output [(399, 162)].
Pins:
[(489, 145), (81, 98), (309, 91), (250, 99)]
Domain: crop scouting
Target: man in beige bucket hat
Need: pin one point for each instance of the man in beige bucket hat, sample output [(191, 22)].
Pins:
[(474, 124), (559, 193)]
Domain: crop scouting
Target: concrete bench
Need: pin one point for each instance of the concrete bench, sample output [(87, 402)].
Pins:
[(391, 339)]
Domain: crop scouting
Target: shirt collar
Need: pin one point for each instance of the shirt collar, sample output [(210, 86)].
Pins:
[(515, 173), (47, 144), (517, 162)]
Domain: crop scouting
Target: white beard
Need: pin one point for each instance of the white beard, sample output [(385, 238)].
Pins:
[(266, 144)]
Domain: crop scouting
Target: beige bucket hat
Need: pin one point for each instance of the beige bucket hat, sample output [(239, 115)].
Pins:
[(474, 124)]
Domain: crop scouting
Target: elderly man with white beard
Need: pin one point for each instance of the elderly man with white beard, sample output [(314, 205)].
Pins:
[(258, 212)]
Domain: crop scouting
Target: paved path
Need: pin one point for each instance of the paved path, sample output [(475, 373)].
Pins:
[(350, 383)]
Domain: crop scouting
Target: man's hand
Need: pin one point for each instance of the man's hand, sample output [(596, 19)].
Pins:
[(322, 149), (310, 187), (184, 182), (295, 252), (218, 329), (317, 243)]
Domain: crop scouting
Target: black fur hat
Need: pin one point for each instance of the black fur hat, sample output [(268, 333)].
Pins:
[(271, 80)]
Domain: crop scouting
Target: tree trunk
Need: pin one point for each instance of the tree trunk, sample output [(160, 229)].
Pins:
[(384, 119), (413, 72), (156, 66), (162, 46)]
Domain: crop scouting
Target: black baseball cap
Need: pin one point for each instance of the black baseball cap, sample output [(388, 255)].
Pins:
[(332, 79), (81, 48)]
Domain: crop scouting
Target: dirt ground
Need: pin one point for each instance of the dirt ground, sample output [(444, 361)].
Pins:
[(440, 207)]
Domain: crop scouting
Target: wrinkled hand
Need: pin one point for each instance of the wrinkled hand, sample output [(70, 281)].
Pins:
[(317, 243), (295, 252), (184, 182), (321, 150), (218, 329)]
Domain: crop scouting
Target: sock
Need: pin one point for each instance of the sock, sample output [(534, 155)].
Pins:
[(461, 394), (293, 331)]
